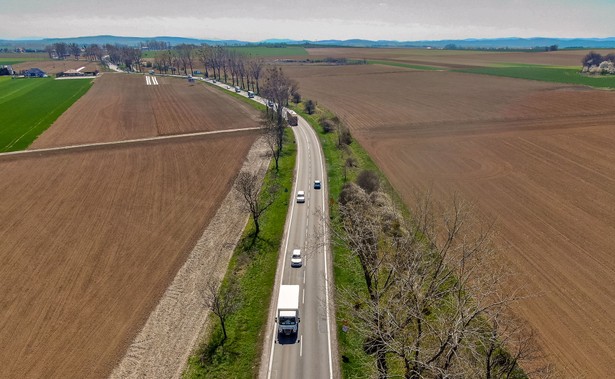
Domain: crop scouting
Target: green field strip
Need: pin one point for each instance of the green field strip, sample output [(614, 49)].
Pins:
[(553, 74), (30, 111), (405, 65)]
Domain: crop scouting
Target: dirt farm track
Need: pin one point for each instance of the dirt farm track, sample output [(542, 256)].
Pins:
[(92, 237), (535, 157)]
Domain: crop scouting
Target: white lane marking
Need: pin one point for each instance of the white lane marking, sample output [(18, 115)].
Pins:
[(147, 80), (155, 80), (303, 276), (324, 229), (303, 300), (292, 213), (301, 346)]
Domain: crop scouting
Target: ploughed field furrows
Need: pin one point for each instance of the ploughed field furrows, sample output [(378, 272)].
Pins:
[(52, 67), (535, 157), (121, 106), (455, 58), (92, 237), (90, 241)]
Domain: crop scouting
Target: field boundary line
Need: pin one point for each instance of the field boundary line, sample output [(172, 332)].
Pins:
[(125, 142)]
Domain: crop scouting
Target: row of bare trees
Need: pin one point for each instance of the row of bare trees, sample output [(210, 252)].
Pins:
[(433, 301), (219, 63), (130, 57)]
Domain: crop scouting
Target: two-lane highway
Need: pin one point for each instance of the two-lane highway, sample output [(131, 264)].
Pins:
[(309, 354)]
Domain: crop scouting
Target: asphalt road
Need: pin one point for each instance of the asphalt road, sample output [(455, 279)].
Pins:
[(310, 354)]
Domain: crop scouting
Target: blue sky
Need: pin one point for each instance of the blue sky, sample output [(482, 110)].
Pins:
[(255, 20)]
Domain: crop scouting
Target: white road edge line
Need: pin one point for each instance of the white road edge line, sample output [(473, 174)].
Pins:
[(292, 212), (301, 346), (324, 227), (325, 238)]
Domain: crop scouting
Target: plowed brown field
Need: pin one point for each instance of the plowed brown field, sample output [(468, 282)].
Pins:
[(120, 107), (52, 67), (536, 157), (456, 58), (92, 237)]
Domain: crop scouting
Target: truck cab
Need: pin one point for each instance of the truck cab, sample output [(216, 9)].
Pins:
[(288, 310)]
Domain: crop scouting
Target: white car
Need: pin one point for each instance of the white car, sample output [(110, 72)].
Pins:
[(295, 259), (300, 197)]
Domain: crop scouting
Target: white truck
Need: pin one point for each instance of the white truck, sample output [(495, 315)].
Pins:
[(288, 310)]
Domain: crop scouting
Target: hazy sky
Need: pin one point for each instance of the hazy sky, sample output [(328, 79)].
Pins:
[(255, 20)]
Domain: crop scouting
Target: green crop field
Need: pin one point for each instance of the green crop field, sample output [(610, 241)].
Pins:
[(17, 59), (406, 65), (29, 106), (557, 74)]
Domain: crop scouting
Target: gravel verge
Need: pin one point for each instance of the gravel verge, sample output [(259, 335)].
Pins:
[(173, 329)]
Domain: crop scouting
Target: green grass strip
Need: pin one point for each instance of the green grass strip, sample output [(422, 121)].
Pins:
[(405, 65), (255, 266), (554, 74), (29, 106), (354, 362)]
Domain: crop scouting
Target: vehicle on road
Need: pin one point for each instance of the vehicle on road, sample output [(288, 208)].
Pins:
[(291, 117), (295, 259), (237, 89), (316, 184), (251, 94), (300, 197), (288, 310)]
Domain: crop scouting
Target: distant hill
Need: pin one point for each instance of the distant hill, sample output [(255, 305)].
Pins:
[(488, 43)]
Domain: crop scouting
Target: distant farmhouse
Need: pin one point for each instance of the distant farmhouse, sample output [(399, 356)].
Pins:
[(6, 70), (35, 73), (76, 73)]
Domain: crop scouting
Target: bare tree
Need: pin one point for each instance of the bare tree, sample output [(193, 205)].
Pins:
[(204, 55), (223, 301), (255, 68), (49, 50), (432, 286), (74, 49), (249, 187), (273, 136), (310, 106), (276, 89), (369, 181)]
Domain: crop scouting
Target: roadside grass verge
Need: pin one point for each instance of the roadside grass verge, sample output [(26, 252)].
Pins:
[(254, 266), (354, 362), (406, 65), (29, 106), (254, 104), (555, 74)]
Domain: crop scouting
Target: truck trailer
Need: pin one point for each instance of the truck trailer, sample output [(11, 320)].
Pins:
[(288, 310), (291, 117)]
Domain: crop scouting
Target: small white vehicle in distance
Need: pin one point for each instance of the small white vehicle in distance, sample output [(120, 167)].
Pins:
[(300, 197), (295, 259)]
